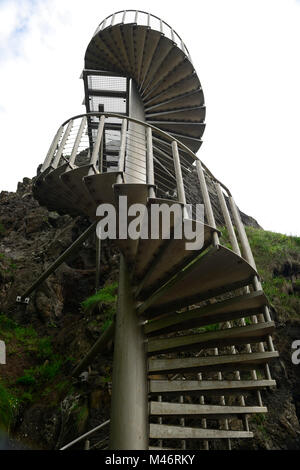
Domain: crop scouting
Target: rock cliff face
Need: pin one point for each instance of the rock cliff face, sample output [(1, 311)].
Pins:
[(43, 407)]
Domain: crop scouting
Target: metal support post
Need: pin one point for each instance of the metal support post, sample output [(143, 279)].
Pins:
[(129, 415)]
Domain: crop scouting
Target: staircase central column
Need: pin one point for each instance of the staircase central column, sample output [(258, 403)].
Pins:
[(129, 415)]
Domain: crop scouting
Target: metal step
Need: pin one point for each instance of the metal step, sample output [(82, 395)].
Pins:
[(184, 129), (108, 39), (172, 61), (192, 99), (196, 114), (103, 49), (217, 271), (191, 142), (164, 258), (136, 193), (119, 41), (159, 59), (190, 83), (212, 339), (203, 364), (148, 248), (158, 408), (163, 431), (100, 186), (127, 33), (98, 61), (150, 45), (230, 309), (74, 181), (179, 73), (62, 202), (57, 190), (139, 38), (206, 386)]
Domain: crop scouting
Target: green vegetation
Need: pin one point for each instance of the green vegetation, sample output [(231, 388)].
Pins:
[(41, 374), (41, 377), (8, 404), (105, 301), (271, 251), (105, 295)]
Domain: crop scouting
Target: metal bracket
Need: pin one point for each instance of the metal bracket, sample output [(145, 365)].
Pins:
[(19, 300)]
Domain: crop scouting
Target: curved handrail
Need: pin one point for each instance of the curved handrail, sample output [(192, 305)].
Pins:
[(158, 131), (106, 24)]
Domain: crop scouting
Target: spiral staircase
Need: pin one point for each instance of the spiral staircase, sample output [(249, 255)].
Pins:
[(193, 328)]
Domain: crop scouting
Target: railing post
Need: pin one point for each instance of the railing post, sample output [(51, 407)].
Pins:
[(122, 151), (206, 200), (122, 145), (228, 222), (77, 141), (129, 408), (52, 149), (62, 145), (96, 148), (246, 250), (150, 166), (178, 173)]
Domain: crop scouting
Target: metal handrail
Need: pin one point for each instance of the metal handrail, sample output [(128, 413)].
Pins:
[(139, 141), (158, 131), (106, 24), (83, 436)]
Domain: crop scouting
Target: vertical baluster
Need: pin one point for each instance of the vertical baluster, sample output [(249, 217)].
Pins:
[(136, 17), (148, 20), (161, 26), (223, 403), (236, 249), (182, 423), (247, 252), (52, 149), (242, 233), (160, 421), (62, 145), (77, 141), (103, 24), (124, 15), (172, 35), (178, 173), (150, 166), (96, 148), (203, 420), (206, 201), (122, 152), (112, 19), (228, 223)]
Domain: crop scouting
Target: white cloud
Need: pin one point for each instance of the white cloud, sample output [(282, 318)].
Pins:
[(246, 54)]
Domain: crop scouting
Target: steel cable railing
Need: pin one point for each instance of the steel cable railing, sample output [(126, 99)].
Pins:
[(142, 18), (94, 140)]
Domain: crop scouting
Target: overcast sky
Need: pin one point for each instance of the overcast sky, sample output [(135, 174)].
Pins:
[(246, 54)]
